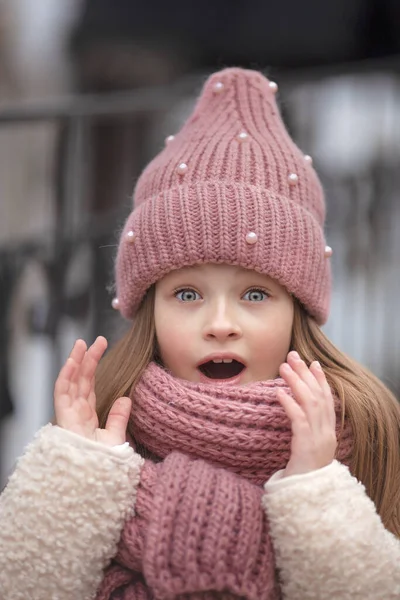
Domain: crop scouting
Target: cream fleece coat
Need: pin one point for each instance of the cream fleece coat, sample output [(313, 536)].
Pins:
[(63, 510)]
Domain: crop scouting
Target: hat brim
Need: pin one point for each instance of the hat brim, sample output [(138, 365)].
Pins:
[(208, 223)]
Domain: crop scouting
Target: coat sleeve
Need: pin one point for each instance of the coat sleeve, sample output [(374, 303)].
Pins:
[(329, 540), (61, 515)]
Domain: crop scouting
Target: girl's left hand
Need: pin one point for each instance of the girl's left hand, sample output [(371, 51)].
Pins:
[(312, 414)]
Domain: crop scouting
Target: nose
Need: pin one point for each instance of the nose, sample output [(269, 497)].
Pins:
[(221, 323)]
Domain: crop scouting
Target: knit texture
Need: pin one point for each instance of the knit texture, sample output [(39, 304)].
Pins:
[(324, 515), (199, 528), (242, 174), (241, 428), (199, 533)]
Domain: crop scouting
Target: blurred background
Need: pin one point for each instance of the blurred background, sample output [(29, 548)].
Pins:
[(89, 89)]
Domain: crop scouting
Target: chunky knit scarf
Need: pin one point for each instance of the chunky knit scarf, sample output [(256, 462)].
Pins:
[(199, 530)]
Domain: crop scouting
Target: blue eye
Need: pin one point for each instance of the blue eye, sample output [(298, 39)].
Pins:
[(187, 295), (255, 295)]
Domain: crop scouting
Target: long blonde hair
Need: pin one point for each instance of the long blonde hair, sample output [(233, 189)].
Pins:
[(370, 407)]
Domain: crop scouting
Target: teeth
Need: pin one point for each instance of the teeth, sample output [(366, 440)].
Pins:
[(224, 360)]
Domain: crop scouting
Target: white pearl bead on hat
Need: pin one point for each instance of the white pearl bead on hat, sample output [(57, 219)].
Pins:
[(218, 87), (308, 159), (169, 139), (115, 303), (182, 168), (251, 237), (130, 236), (293, 178), (328, 251), (273, 86), (242, 136)]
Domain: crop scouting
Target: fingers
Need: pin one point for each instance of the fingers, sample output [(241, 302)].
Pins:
[(69, 372), (77, 355), (76, 377), (63, 381), (118, 418), (311, 413), (75, 399), (91, 398), (300, 389), (309, 387), (291, 407), (303, 372), (88, 368), (319, 375)]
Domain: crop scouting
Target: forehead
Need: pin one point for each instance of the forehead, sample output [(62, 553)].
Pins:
[(219, 271)]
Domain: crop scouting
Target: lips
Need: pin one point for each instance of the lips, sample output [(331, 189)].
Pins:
[(218, 369)]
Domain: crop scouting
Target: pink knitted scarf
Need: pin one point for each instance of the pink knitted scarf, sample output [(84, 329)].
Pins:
[(199, 531), (243, 429)]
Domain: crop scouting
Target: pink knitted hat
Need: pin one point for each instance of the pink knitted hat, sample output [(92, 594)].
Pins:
[(231, 187)]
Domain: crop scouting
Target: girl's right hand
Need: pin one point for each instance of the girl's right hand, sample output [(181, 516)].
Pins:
[(75, 399)]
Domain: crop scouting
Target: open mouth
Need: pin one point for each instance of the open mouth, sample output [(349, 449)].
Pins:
[(221, 368)]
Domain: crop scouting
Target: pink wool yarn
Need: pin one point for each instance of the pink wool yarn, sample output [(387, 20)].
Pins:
[(218, 548), (220, 542), (231, 187), (241, 428), (200, 531)]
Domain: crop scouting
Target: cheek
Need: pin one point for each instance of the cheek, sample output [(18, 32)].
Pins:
[(272, 342), (173, 343)]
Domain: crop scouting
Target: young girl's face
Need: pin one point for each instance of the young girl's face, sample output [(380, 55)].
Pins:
[(222, 324)]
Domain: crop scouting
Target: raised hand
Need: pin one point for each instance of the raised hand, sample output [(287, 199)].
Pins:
[(312, 414), (75, 399)]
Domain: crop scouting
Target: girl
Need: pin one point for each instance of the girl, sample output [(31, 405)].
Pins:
[(222, 452)]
